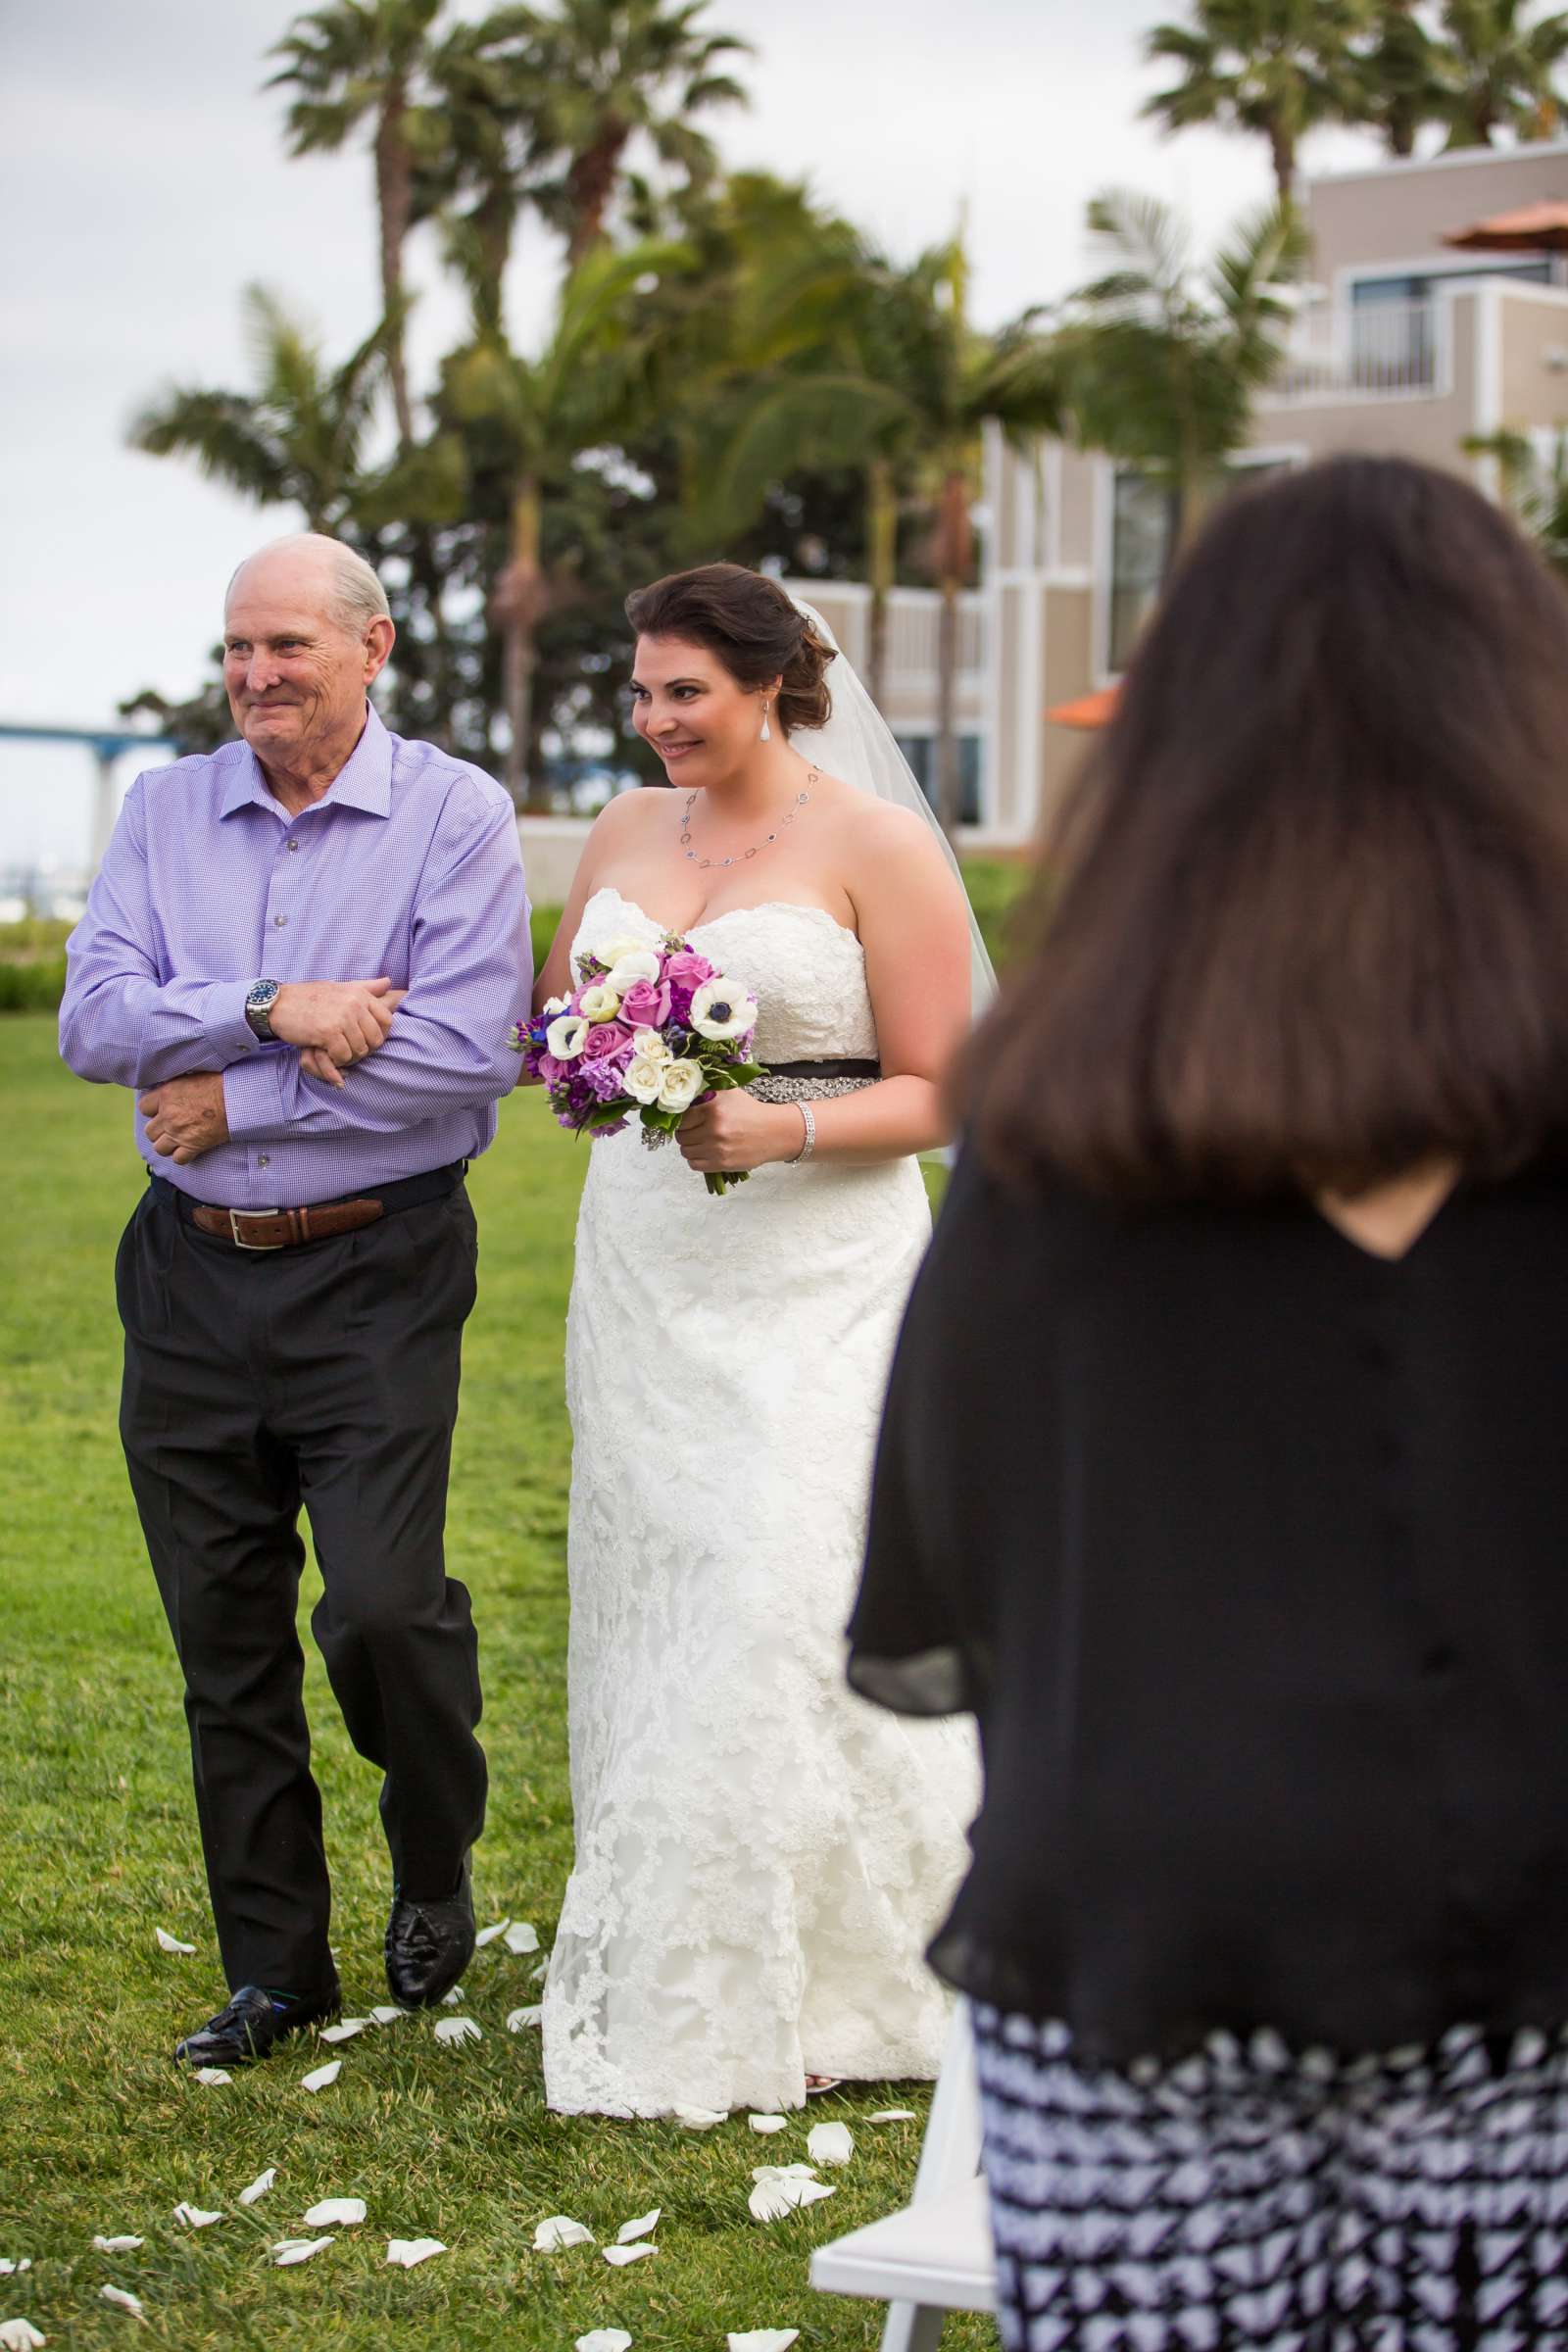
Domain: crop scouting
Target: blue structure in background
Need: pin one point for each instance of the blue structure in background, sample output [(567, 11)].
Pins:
[(107, 745)]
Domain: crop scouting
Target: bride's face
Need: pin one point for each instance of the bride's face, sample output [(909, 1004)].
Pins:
[(684, 701)]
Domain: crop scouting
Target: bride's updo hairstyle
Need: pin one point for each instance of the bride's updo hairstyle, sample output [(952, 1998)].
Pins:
[(754, 627)]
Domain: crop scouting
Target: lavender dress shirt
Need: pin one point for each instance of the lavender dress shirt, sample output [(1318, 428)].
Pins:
[(408, 865)]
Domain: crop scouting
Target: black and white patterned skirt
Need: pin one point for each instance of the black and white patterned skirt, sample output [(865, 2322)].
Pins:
[(1249, 2200)]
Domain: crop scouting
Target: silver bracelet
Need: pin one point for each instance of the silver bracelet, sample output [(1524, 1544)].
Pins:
[(810, 1143)]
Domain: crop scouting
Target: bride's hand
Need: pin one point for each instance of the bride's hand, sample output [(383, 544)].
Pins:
[(733, 1133)]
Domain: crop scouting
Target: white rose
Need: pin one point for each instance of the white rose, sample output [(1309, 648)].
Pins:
[(721, 1009), (679, 1085), (629, 964), (567, 1037), (618, 950), (597, 1004), (643, 1079), (555, 1005), (649, 1046)]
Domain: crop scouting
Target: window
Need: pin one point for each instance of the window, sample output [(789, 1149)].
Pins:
[(920, 751), (1393, 338), (1142, 543)]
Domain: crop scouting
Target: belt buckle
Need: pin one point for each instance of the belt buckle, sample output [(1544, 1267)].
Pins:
[(240, 1242)]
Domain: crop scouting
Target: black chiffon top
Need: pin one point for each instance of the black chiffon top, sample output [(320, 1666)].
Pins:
[(1250, 1553)]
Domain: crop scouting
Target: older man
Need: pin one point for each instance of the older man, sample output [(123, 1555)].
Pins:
[(306, 952)]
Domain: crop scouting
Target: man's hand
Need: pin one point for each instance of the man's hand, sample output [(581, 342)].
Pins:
[(338, 1022), (186, 1116)]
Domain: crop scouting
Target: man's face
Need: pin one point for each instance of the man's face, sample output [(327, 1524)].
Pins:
[(296, 676)]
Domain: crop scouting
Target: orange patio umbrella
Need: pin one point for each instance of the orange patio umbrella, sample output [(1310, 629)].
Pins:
[(1089, 710), (1532, 228)]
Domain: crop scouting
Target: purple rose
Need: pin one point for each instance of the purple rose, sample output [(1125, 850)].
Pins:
[(645, 1006), (606, 1040), (688, 970)]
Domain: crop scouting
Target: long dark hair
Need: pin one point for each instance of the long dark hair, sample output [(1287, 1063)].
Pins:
[(1304, 920)]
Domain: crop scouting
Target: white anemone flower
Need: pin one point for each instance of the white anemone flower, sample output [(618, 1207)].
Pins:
[(599, 1003), (679, 1085), (567, 1037), (643, 1079), (722, 1008), (632, 964), (553, 1005)]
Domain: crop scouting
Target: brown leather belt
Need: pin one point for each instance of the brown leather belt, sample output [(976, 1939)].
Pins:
[(288, 1228), (285, 1228)]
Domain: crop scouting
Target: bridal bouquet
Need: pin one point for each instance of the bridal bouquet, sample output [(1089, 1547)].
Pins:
[(647, 1033)]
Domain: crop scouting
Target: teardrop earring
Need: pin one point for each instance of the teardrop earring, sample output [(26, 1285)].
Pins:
[(768, 732)]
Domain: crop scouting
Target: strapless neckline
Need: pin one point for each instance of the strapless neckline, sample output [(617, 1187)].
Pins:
[(709, 922)]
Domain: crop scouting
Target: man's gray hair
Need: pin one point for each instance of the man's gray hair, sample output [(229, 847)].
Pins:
[(357, 596)]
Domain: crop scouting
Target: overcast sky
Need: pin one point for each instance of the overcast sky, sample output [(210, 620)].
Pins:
[(144, 182)]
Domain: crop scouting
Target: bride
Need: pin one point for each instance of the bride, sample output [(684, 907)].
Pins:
[(761, 1855)]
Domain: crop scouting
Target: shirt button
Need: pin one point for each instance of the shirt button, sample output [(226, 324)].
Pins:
[(293, 845), (261, 1159), (280, 920)]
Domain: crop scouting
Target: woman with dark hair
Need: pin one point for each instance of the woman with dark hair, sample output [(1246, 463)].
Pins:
[(759, 1856), (1223, 1475)]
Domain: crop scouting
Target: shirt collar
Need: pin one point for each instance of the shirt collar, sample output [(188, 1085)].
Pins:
[(364, 781)]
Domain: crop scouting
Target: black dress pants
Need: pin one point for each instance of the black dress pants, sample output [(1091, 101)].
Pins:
[(324, 1375)]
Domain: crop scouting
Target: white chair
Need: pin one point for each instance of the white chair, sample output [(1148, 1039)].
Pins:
[(935, 2256)]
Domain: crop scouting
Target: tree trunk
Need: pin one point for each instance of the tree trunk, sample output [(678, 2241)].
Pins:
[(881, 536), (590, 185), (394, 196), (1282, 147), (519, 598), (953, 562)]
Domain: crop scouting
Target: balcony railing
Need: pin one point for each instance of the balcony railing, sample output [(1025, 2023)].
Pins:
[(1370, 350)]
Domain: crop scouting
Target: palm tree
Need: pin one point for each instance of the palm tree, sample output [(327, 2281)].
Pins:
[(1400, 77), (607, 73), (531, 421), (365, 62), (1162, 359), (1505, 71), (1271, 68), (1535, 485), (297, 439)]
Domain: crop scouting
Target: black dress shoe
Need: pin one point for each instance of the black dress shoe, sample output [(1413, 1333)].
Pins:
[(251, 2023), (428, 1945)]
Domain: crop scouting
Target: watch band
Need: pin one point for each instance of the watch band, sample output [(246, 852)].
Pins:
[(259, 998)]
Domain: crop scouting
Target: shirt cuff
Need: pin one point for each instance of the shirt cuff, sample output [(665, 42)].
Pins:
[(253, 1095), (228, 1033)]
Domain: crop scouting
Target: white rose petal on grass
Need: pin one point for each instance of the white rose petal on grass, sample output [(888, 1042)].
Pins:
[(892, 2115), (259, 2186), (193, 2217), (783, 2172), (597, 2339), (320, 2077), (345, 2029), (489, 1934), (830, 2143), (212, 2076), (290, 2251), (620, 2256), (122, 2301), (335, 2213), (118, 2245), (520, 2020), (644, 2227), (521, 1938), (387, 2015), (21, 2335), (769, 2123), (764, 2339), (543, 1969), (453, 1999), (10, 2269), (771, 2200), (458, 2030), (172, 1943), (699, 2119), (405, 2252), (559, 2231)]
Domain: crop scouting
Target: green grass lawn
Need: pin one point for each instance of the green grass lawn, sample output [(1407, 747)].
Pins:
[(101, 2135)]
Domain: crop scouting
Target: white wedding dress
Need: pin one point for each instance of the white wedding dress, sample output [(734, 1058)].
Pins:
[(761, 1855)]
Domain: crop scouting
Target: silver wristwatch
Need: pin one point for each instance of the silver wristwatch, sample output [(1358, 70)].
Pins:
[(259, 998)]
